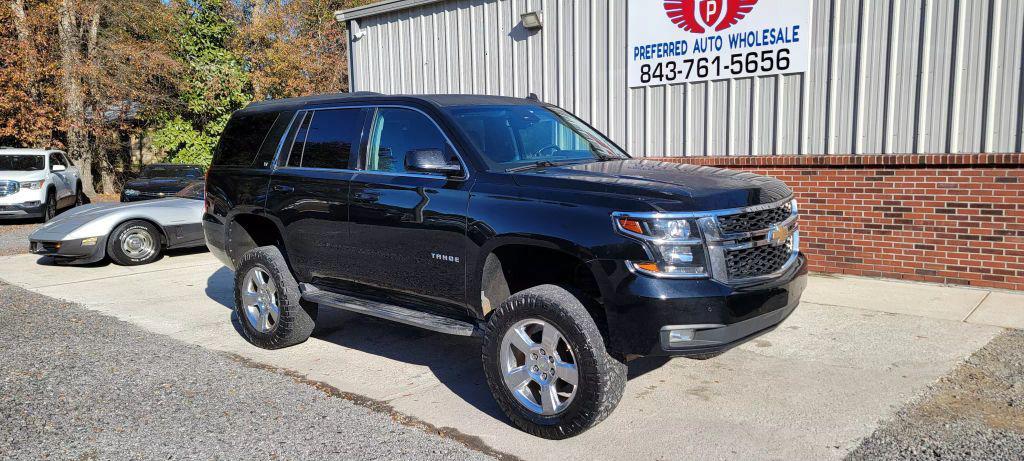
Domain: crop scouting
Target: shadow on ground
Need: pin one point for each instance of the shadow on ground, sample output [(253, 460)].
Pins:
[(454, 360)]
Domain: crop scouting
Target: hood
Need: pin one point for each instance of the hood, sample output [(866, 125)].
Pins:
[(65, 223), (157, 185), (7, 175), (666, 186)]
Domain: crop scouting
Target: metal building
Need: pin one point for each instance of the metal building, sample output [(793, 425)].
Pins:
[(885, 76)]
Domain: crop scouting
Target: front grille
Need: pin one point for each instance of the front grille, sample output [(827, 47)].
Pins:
[(9, 188), (754, 220), (45, 247), (156, 194), (762, 260)]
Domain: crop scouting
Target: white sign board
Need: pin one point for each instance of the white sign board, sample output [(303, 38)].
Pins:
[(678, 41)]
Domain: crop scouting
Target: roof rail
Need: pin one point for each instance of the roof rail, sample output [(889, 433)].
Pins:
[(365, 93)]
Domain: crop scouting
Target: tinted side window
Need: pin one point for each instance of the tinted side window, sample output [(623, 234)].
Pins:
[(299, 140), (273, 141), (333, 136), (242, 138), (396, 132), (56, 160)]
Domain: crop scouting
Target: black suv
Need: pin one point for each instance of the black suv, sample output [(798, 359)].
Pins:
[(503, 218)]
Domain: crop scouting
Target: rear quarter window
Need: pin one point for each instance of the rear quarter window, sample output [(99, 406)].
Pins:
[(242, 138)]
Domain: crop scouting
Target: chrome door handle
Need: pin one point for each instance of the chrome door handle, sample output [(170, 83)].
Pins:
[(283, 188)]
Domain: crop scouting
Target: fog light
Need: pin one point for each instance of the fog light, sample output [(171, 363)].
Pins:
[(89, 241), (678, 336)]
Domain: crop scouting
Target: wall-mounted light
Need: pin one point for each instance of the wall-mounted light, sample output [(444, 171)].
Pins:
[(531, 20)]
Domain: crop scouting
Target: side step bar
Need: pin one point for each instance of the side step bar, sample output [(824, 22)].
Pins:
[(391, 312)]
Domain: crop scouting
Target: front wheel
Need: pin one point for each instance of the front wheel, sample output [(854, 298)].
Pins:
[(547, 365), (134, 243), (49, 207)]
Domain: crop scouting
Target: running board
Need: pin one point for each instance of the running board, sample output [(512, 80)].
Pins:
[(391, 312)]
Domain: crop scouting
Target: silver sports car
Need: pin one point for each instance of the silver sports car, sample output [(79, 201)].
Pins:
[(129, 233)]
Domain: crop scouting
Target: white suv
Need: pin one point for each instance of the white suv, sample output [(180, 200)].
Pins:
[(35, 183)]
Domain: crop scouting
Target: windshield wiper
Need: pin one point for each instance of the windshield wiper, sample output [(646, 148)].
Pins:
[(542, 164)]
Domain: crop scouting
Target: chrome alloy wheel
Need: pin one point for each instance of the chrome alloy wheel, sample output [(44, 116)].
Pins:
[(259, 300), (137, 243), (539, 367)]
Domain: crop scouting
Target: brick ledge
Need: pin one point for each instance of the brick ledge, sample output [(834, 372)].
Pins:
[(1013, 160)]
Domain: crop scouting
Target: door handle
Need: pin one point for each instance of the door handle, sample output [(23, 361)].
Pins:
[(283, 188)]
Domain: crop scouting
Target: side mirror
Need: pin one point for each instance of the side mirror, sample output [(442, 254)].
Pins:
[(56, 168), (431, 161)]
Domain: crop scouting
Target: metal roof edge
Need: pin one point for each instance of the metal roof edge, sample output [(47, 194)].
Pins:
[(381, 7)]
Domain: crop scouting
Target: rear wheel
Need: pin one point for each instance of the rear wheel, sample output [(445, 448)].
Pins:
[(268, 303), (79, 196), (547, 366), (134, 243)]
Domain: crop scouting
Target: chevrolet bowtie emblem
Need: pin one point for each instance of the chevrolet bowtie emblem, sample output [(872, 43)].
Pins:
[(778, 235)]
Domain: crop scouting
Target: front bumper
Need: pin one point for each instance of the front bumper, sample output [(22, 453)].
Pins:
[(26, 203), (76, 250), (31, 209), (642, 311)]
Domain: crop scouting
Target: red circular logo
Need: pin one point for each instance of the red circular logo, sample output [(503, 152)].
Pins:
[(700, 16)]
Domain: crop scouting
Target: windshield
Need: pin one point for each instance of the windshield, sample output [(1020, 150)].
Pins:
[(162, 171), (22, 162), (515, 136), (195, 191)]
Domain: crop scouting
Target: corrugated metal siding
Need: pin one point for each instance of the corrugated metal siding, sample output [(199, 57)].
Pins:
[(900, 76)]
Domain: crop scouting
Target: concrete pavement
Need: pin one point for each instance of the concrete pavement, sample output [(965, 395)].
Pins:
[(853, 353)]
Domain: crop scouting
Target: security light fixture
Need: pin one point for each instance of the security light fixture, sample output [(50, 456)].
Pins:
[(531, 20)]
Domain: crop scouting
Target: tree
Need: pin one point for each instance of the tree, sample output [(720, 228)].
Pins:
[(129, 76), (294, 47), (28, 98), (81, 75), (213, 82)]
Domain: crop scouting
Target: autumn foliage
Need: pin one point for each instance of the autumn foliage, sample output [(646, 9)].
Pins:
[(93, 76)]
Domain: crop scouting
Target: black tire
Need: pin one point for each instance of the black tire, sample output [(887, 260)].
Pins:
[(602, 378), (297, 317), (118, 255), (49, 207), (79, 196)]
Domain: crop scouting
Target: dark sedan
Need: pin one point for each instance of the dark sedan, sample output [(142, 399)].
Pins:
[(160, 180)]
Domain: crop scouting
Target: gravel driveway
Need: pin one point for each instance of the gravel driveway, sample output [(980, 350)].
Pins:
[(14, 236), (76, 384), (975, 413)]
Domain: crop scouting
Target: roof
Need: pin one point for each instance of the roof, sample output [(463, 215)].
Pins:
[(180, 165), (381, 7), (437, 100), (21, 151)]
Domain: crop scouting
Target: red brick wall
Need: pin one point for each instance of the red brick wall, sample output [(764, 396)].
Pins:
[(955, 219)]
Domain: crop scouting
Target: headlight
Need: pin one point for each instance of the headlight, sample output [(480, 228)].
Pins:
[(34, 185), (674, 245), (131, 192)]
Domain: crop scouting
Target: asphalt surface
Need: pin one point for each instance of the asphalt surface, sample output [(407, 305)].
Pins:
[(77, 384), (975, 413)]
